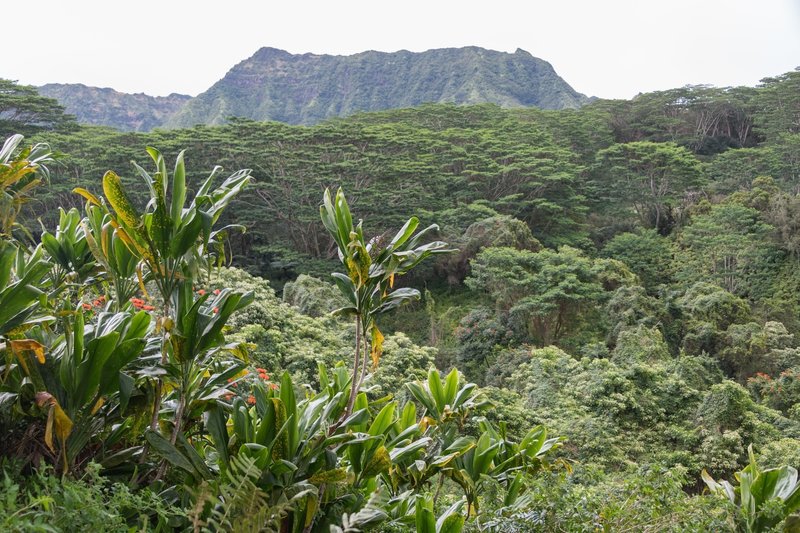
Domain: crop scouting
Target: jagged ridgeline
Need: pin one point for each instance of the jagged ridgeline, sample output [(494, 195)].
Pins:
[(308, 88)]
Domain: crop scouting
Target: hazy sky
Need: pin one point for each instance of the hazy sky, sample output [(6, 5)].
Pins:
[(607, 48)]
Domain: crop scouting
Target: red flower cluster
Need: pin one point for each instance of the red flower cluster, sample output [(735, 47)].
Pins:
[(262, 373), (138, 303), (97, 302), (217, 292)]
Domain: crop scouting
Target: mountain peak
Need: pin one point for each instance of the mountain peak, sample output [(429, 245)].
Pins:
[(274, 84)]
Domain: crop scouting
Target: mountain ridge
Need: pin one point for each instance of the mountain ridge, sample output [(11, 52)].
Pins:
[(273, 84), (104, 106)]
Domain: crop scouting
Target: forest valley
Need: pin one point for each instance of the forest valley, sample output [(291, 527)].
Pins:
[(443, 318)]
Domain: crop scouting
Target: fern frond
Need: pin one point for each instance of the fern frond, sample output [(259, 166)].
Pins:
[(239, 505)]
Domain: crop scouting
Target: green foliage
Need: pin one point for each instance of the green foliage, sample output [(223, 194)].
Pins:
[(370, 270), (480, 335), (782, 392), (496, 231), (276, 335), (727, 245), (736, 169), (23, 110), (646, 253), (764, 497), (402, 361), (545, 292), (312, 296), (631, 307), (750, 348), (648, 179), (649, 498), (46, 502)]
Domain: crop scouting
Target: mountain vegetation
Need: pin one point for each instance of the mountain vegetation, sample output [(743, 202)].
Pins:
[(444, 318)]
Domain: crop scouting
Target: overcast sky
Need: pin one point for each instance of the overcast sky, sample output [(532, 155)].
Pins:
[(606, 48)]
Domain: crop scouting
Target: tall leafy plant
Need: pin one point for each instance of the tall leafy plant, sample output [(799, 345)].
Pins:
[(370, 269), (172, 240)]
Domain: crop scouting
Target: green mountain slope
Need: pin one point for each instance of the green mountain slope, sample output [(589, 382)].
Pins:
[(107, 107), (305, 89)]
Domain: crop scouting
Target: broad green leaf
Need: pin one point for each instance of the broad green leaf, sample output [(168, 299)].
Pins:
[(383, 420), (178, 190), (168, 451), (435, 387)]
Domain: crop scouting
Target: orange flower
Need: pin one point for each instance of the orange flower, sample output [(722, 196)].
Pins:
[(86, 307), (251, 400), (217, 292), (201, 292), (273, 386), (138, 303)]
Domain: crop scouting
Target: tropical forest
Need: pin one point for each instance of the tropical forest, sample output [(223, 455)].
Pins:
[(442, 317)]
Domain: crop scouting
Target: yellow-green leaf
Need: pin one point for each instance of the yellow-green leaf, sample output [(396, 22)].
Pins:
[(86, 194), (116, 196), (377, 346)]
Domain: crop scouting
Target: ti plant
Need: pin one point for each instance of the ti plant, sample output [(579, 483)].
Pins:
[(76, 382), (110, 251), (172, 242), (467, 461), (69, 250), (765, 498), (21, 312), (371, 267)]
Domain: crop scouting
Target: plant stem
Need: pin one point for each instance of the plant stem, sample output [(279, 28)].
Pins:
[(354, 384), (178, 418), (363, 362)]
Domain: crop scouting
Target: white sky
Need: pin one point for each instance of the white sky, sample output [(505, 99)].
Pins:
[(607, 48)]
